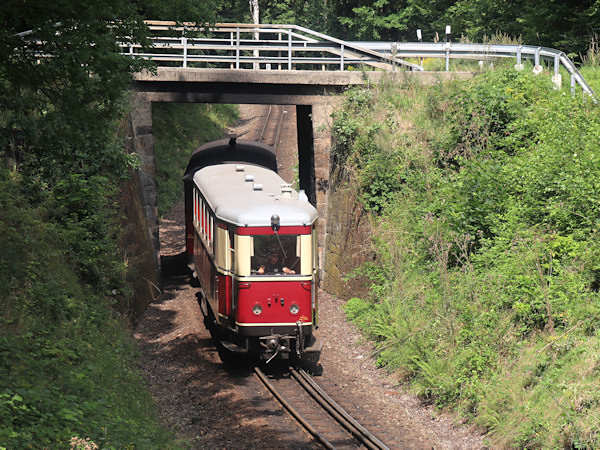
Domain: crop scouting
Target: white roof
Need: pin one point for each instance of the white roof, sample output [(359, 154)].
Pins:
[(237, 201)]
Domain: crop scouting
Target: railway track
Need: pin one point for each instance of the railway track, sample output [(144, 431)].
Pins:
[(272, 124), (316, 412)]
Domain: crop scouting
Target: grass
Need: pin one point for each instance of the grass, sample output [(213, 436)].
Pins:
[(68, 364), (492, 303)]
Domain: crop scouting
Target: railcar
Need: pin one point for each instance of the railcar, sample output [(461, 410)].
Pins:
[(253, 243)]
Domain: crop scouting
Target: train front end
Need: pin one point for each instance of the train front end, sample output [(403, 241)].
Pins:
[(275, 296)]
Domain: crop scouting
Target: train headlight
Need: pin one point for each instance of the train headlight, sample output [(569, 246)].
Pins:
[(257, 310), (294, 309)]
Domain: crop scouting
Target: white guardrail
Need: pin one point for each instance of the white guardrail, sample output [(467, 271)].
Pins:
[(238, 46), (291, 47), (486, 52)]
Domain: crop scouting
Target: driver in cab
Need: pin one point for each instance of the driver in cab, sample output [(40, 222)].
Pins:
[(274, 265)]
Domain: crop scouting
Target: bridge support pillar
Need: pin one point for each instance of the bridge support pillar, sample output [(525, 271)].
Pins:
[(142, 144), (306, 151), (321, 117), (314, 145)]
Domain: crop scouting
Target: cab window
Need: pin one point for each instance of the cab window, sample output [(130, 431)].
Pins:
[(276, 255)]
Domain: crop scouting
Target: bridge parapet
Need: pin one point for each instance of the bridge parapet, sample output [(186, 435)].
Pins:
[(291, 47), (257, 46)]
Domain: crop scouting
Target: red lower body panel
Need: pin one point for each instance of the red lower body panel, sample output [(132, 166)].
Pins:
[(279, 302)]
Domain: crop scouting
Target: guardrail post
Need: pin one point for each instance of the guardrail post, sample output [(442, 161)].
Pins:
[(184, 42), (279, 52), (537, 68), (289, 49), (231, 42), (237, 48), (447, 48), (519, 65), (342, 57), (256, 52), (573, 81), (420, 39), (557, 78)]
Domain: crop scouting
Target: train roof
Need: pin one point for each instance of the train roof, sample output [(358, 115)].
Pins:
[(232, 191), (231, 150)]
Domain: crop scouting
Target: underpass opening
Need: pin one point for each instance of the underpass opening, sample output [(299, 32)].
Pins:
[(176, 135), (306, 152)]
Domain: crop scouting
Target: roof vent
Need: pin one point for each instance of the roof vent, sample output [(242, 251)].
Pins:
[(240, 167), (286, 190), (257, 187), (249, 178)]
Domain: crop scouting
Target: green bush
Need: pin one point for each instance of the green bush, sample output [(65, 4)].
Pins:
[(485, 286), (67, 361)]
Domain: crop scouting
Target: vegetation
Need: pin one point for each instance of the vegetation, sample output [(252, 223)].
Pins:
[(67, 362), (568, 26), (498, 210), (178, 130), (484, 292), (68, 367)]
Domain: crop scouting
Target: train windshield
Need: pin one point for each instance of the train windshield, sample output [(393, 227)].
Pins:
[(276, 255)]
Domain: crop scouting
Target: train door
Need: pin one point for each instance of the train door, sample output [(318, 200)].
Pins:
[(232, 270), (241, 262)]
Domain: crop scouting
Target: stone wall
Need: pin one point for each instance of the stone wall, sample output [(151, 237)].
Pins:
[(137, 248), (347, 242), (142, 143), (140, 246)]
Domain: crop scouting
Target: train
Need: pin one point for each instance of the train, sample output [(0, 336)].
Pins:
[(252, 243)]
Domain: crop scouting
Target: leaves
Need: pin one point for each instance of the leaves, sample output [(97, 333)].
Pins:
[(486, 249)]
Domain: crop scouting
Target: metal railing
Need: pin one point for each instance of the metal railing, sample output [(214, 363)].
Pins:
[(291, 47), (486, 52), (238, 46)]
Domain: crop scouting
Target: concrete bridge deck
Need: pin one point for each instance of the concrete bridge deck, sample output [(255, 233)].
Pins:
[(177, 84)]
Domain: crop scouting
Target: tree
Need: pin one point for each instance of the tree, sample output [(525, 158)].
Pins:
[(63, 94), (562, 25)]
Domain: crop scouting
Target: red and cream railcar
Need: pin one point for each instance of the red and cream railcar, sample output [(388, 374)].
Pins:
[(254, 246)]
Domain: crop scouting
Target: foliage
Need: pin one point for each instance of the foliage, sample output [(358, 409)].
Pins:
[(484, 290), (178, 130), (312, 14), (558, 25), (566, 26), (67, 362), (60, 115)]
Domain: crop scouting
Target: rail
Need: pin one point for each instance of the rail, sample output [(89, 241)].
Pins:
[(326, 406), (485, 52)]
